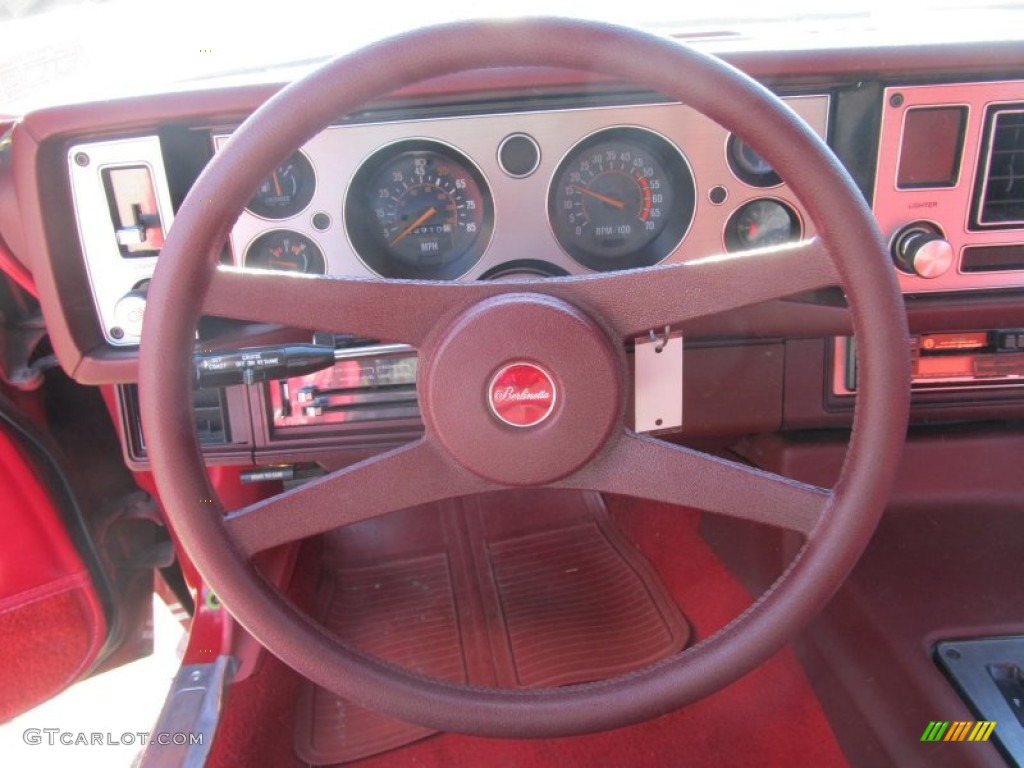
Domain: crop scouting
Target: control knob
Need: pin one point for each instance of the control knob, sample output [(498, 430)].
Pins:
[(921, 249), (129, 310)]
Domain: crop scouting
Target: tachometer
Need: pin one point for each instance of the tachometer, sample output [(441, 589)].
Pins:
[(419, 209), (621, 198)]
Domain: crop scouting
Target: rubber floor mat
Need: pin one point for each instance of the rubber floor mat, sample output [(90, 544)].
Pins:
[(516, 589)]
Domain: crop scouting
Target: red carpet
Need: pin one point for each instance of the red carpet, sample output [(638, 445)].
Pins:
[(768, 718)]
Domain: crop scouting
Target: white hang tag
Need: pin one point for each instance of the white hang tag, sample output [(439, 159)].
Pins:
[(658, 383)]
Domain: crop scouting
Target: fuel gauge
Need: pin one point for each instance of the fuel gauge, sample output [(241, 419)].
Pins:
[(286, 191)]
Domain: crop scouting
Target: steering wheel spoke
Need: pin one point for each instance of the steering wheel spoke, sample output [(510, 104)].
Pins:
[(635, 302), (631, 303), (636, 465), (359, 306), (415, 473)]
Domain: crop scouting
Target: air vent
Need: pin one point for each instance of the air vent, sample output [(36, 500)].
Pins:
[(211, 428), (211, 419), (1001, 194)]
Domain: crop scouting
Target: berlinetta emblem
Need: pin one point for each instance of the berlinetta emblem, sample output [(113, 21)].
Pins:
[(521, 394)]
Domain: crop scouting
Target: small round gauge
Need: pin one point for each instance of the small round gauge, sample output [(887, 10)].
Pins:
[(761, 223), (748, 165), (285, 251), (286, 191), (622, 198), (420, 210)]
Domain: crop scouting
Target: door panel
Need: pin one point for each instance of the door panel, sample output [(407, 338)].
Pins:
[(52, 624)]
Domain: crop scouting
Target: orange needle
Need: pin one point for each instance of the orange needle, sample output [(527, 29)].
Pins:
[(603, 198), (408, 230), (277, 184)]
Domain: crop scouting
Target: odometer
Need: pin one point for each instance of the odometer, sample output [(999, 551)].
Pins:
[(419, 209), (621, 198)]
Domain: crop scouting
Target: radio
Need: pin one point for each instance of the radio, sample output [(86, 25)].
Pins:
[(943, 361)]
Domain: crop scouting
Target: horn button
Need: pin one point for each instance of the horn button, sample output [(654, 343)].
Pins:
[(522, 389), (522, 394)]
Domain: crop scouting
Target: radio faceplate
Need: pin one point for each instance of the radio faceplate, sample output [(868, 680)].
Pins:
[(946, 361)]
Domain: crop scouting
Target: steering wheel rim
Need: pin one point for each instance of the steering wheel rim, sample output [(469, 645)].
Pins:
[(186, 283)]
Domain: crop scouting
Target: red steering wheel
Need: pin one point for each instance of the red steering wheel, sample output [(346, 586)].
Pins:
[(575, 328)]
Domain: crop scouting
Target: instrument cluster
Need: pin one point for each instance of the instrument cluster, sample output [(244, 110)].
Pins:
[(550, 192), (491, 196)]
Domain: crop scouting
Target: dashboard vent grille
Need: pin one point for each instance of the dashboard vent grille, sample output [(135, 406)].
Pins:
[(211, 417), (211, 426), (1001, 198)]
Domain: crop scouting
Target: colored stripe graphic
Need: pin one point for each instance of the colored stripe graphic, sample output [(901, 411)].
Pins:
[(982, 731), (958, 730)]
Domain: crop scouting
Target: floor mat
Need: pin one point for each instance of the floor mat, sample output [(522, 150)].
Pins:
[(511, 589), (769, 717)]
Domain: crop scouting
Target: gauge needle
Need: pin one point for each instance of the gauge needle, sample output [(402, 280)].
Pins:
[(408, 230), (277, 184), (603, 198)]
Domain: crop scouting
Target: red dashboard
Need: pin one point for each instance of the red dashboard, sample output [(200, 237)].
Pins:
[(97, 186)]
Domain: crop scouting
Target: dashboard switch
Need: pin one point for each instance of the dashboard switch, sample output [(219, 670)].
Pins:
[(134, 234), (253, 364), (132, 198), (921, 249), (128, 312)]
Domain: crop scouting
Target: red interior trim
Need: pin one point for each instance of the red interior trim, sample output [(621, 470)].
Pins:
[(52, 624), (16, 271)]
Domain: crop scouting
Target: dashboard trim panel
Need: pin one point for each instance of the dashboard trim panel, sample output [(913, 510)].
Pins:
[(949, 207), (520, 204), (111, 275)]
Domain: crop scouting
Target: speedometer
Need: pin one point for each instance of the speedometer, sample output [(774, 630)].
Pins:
[(621, 198), (419, 209)]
